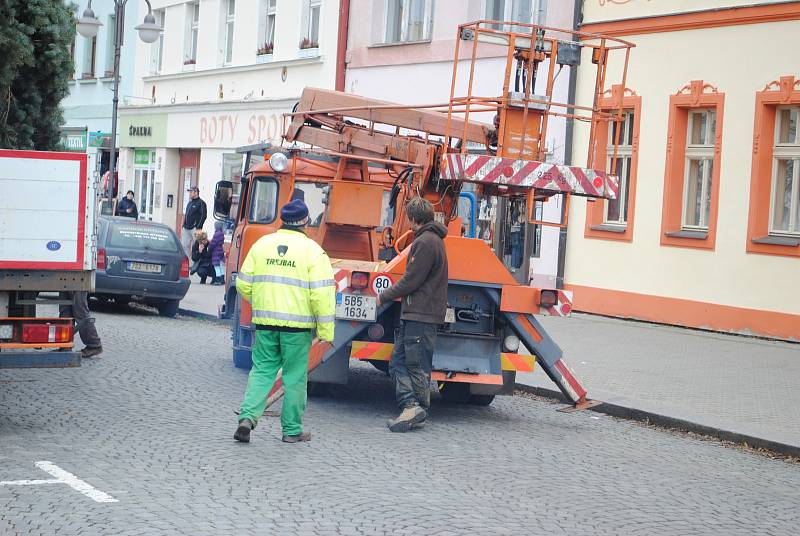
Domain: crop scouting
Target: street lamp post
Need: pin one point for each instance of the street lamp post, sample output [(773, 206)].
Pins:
[(149, 31)]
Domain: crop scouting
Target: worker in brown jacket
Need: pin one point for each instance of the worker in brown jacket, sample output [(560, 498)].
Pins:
[(423, 289)]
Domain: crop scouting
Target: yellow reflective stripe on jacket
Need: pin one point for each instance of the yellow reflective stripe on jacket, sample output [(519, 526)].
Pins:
[(288, 279)]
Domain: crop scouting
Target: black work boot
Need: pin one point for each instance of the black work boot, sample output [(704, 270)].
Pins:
[(243, 431), (304, 436), (410, 416), (91, 351)]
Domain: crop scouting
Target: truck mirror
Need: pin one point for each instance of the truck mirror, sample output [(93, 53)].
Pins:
[(223, 199)]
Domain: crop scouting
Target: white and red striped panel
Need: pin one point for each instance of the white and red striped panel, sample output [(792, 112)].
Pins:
[(563, 306), (529, 174)]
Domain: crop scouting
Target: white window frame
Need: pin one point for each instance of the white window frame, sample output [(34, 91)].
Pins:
[(157, 48), (192, 33), (89, 59), (786, 151), (625, 157), (267, 21), (110, 30), (705, 154), (427, 22), (307, 20), (538, 12), (229, 31)]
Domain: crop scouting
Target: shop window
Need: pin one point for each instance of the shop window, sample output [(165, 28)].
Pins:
[(617, 150), (525, 11), (691, 178), (774, 220), (263, 200), (192, 29), (408, 20)]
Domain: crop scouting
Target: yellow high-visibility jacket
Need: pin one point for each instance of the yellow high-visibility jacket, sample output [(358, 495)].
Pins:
[(288, 279)]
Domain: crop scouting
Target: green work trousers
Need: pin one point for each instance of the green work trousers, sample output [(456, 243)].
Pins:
[(272, 351)]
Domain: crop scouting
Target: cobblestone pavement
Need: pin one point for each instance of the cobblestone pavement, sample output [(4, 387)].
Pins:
[(150, 423), (739, 384)]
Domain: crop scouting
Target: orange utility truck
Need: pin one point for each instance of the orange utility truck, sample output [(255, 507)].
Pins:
[(356, 161)]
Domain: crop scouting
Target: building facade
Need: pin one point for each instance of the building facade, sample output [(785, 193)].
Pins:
[(406, 56), (220, 77), (708, 233), (87, 109)]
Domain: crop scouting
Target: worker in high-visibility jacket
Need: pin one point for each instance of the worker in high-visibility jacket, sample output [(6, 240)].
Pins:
[(288, 280)]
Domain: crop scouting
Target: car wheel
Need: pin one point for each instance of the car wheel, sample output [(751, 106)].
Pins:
[(168, 308)]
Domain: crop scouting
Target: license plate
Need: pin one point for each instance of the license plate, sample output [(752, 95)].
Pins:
[(356, 307), (6, 331), (144, 267), (450, 316)]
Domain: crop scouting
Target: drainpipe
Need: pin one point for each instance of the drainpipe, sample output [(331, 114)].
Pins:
[(577, 16), (341, 45)]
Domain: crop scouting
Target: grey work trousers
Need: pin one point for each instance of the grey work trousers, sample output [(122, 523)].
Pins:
[(412, 359), (79, 310)]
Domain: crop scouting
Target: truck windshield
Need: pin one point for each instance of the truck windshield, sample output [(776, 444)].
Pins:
[(312, 194), (264, 200)]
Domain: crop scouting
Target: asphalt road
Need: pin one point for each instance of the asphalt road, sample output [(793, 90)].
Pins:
[(141, 442)]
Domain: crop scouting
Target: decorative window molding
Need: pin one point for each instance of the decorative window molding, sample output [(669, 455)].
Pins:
[(762, 237), (694, 96), (597, 225)]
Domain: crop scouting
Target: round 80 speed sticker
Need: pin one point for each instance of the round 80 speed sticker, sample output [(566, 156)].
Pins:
[(381, 283)]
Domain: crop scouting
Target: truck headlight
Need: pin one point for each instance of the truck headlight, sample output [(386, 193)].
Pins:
[(278, 162)]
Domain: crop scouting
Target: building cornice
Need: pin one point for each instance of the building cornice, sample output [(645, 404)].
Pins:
[(206, 106), (217, 71)]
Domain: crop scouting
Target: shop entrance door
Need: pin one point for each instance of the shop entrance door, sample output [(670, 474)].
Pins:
[(144, 182), (187, 177), (144, 186)]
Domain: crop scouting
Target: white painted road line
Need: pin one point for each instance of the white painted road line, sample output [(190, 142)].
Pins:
[(63, 477), (28, 482)]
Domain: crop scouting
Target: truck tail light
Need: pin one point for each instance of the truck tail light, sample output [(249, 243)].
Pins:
[(548, 298), (185, 267), (47, 333), (101, 259), (359, 280)]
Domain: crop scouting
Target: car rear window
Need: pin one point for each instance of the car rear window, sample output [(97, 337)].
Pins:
[(139, 236)]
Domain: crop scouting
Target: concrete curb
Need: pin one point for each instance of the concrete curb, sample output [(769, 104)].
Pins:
[(204, 316), (623, 412)]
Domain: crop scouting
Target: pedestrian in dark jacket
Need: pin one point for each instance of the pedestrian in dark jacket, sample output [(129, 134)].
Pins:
[(201, 256), (194, 218), (218, 253), (423, 289), (127, 206)]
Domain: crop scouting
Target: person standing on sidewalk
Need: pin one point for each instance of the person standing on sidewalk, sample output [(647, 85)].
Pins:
[(288, 280), (78, 310), (194, 219), (423, 289), (216, 246)]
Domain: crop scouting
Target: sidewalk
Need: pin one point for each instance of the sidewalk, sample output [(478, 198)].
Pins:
[(202, 300), (737, 385)]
